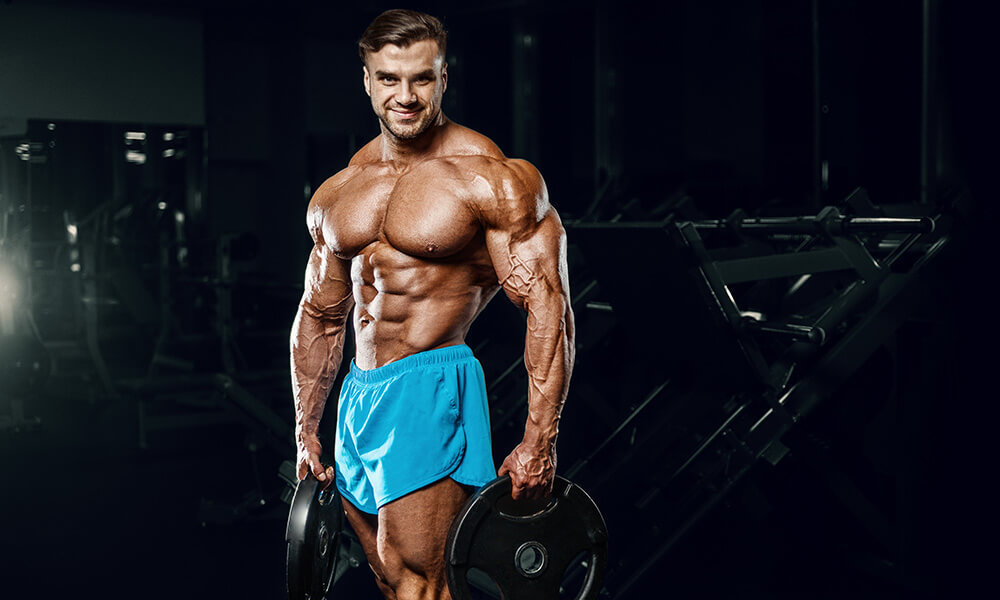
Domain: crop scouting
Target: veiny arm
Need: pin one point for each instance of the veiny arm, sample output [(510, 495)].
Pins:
[(317, 346), (527, 244)]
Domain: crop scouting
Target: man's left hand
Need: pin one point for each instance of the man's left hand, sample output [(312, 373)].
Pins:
[(532, 471)]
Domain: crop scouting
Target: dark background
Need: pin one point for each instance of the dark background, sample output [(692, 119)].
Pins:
[(625, 108)]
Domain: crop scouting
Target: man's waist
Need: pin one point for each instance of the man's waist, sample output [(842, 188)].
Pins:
[(415, 360)]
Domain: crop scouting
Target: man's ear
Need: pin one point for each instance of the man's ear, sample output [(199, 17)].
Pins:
[(367, 81), (444, 76)]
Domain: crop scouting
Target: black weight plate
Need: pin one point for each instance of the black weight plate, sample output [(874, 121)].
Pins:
[(526, 547), (313, 535)]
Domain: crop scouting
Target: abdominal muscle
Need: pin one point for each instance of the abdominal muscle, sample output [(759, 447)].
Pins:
[(406, 304)]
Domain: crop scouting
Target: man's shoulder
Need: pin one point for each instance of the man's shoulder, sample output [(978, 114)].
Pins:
[(367, 160), (327, 191), (476, 152), (516, 189), (368, 154), (462, 141)]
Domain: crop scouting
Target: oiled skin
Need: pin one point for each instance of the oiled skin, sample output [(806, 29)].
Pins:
[(418, 249), (421, 229)]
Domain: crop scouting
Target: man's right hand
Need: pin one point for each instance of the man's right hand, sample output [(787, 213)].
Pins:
[(309, 451)]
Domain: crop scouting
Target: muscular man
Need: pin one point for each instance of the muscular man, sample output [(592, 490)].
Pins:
[(417, 234)]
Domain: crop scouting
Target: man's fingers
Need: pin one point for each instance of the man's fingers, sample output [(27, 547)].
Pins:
[(532, 493), (318, 470), (329, 477), (521, 488), (516, 485), (523, 485)]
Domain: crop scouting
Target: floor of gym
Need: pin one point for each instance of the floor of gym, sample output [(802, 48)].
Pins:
[(86, 512)]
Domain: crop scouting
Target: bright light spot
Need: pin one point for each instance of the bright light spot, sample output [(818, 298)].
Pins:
[(138, 158), (179, 217), (7, 283), (75, 267), (168, 136), (52, 126), (135, 135), (71, 230), (168, 152), (162, 206)]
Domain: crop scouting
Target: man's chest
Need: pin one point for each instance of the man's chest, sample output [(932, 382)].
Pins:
[(424, 212)]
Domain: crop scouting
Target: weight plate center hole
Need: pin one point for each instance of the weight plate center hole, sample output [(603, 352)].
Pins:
[(531, 559)]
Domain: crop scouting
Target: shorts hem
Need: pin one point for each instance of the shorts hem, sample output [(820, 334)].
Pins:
[(464, 480), (423, 482), (354, 501)]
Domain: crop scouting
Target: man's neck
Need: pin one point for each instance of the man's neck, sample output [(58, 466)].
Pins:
[(399, 150)]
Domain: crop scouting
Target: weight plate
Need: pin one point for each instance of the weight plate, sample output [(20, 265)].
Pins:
[(526, 547), (313, 535)]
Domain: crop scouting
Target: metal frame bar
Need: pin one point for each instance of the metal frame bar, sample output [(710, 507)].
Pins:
[(744, 438)]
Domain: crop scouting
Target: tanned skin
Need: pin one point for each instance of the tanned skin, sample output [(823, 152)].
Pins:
[(428, 221)]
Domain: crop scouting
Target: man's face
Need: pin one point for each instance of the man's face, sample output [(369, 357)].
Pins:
[(406, 86)]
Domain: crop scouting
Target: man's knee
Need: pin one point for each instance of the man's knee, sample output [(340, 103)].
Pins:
[(411, 581), (414, 586), (383, 582)]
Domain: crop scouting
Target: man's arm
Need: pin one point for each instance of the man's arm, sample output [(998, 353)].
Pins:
[(317, 347), (527, 244)]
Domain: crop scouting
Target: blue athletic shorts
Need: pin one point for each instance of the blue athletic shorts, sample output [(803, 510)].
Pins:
[(410, 423)]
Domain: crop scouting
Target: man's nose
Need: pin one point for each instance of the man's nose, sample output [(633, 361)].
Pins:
[(405, 94)]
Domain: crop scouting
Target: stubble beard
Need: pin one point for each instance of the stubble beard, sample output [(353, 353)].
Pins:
[(411, 133)]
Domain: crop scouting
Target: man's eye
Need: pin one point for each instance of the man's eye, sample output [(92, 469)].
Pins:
[(423, 80), (388, 80)]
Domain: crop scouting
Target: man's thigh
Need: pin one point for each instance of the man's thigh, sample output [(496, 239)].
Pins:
[(412, 531), (365, 526)]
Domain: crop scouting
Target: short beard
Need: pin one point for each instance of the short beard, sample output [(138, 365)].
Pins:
[(427, 124)]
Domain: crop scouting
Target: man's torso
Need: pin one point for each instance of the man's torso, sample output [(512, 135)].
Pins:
[(420, 269)]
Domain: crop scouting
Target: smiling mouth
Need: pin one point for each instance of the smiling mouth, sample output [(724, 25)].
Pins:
[(404, 114)]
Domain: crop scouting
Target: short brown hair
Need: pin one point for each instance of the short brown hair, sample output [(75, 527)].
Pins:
[(401, 27)]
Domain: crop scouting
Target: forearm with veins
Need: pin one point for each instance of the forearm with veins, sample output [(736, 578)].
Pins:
[(317, 347), (549, 346)]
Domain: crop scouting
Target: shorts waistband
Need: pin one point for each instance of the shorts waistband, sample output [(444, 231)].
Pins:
[(438, 356)]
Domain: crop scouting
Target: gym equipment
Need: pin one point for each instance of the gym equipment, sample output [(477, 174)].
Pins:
[(526, 547), (757, 320), (313, 535)]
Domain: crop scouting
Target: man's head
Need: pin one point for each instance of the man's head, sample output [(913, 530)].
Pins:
[(405, 71)]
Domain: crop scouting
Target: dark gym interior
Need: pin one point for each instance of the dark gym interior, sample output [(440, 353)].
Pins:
[(779, 222)]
